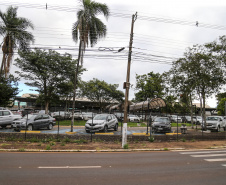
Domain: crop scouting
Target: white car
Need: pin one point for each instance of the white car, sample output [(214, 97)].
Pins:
[(7, 117), (133, 118), (215, 123), (60, 115), (88, 115)]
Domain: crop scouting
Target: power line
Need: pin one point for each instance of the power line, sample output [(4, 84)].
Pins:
[(121, 15)]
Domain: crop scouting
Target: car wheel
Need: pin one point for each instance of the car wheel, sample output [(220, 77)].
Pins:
[(224, 128), (3, 126), (50, 127), (116, 127), (30, 127), (218, 129), (87, 131), (105, 128)]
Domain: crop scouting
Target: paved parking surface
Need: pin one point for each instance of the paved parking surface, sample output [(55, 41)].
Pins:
[(81, 130)]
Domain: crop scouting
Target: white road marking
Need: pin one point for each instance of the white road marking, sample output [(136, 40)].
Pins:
[(209, 155), (58, 167), (224, 165), (204, 152), (215, 160)]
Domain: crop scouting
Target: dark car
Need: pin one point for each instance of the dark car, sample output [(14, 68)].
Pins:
[(34, 122), (161, 124)]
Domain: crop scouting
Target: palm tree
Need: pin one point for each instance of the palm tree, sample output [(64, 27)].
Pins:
[(87, 28), (13, 30)]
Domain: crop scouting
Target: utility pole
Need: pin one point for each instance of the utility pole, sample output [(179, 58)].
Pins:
[(126, 84)]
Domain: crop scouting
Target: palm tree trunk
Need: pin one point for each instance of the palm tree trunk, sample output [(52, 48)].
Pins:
[(3, 65), (75, 84)]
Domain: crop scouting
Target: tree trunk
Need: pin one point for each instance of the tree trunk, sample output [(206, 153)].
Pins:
[(46, 107), (191, 110), (204, 108), (3, 64)]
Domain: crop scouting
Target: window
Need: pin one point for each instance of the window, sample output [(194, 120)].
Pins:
[(6, 113), (45, 116)]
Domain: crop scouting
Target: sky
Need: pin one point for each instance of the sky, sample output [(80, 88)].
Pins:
[(162, 32)]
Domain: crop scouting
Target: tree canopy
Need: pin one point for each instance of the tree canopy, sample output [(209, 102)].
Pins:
[(47, 71), (8, 91), (101, 91), (149, 86)]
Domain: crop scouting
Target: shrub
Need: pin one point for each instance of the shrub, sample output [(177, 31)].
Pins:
[(48, 147), (126, 146), (151, 139)]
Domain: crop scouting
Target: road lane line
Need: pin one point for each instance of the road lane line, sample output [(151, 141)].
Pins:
[(224, 165), (59, 167), (215, 160), (204, 152), (209, 155)]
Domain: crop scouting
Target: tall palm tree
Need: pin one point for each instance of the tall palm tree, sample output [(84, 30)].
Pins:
[(13, 30), (87, 28)]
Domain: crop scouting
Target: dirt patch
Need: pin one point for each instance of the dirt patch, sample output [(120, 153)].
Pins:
[(87, 145)]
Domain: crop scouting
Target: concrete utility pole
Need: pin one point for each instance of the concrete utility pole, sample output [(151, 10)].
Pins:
[(127, 84)]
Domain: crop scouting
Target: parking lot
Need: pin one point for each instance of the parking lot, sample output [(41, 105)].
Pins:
[(81, 130)]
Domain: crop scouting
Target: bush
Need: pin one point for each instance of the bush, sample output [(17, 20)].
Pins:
[(126, 146)]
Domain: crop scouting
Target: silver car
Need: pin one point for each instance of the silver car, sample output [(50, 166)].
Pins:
[(102, 122)]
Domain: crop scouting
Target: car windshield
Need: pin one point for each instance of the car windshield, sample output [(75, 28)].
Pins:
[(100, 117), (212, 118), (161, 119)]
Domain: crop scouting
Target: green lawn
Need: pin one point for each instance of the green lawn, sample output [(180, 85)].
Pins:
[(179, 124)]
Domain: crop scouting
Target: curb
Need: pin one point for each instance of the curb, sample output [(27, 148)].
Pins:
[(113, 150)]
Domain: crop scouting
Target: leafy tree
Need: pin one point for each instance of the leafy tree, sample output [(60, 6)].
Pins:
[(100, 91), (220, 96), (199, 73), (221, 107), (87, 28), (8, 91), (148, 86), (46, 71), (13, 30)]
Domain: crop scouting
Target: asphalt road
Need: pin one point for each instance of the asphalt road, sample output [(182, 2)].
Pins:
[(114, 168)]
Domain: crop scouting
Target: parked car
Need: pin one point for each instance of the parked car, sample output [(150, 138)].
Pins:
[(161, 124), (7, 117), (175, 119), (187, 119), (199, 120), (34, 122), (88, 115), (60, 115), (102, 122), (215, 123), (77, 115), (119, 115), (133, 118)]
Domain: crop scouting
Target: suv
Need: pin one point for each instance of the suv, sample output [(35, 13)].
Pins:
[(161, 124), (215, 123), (102, 122), (7, 117)]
